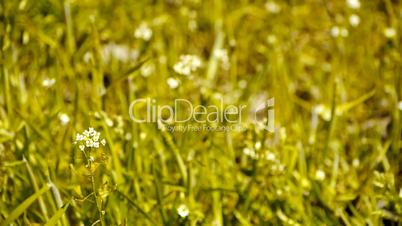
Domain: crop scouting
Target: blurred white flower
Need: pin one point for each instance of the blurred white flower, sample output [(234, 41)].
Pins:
[(64, 119), (88, 57), (147, 70), (335, 31), (187, 64), (222, 55), (270, 156), (353, 4), (272, 7), (89, 138), (400, 105), (356, 163), (319, 175), (109, 122), (183, 211), (389, 32), (247, 151), (271, 39), (173, 83), (119, 52), (250, 152), (344, 32), (48, 82), (354, 20), (339, 31), (257, 145), (322, 111), (143, 32), (143, 135)]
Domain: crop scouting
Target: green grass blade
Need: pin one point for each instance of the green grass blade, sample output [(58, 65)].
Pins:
[(57, 216), (24, 205)]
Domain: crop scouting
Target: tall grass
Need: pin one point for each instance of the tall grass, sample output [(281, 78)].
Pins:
[(334, 158)]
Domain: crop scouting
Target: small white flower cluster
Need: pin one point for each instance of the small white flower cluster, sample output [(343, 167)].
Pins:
[(254, 155), (187, 64), (183, 211), (89, 138), (339, 31), (390, 32), (64, 119), (354, 20), (222, 55), (48, 82), (147, 70), (143, 32), (119, 52), (272, 7), (320, 175), (353, 4), (323, 111), (173, 83)]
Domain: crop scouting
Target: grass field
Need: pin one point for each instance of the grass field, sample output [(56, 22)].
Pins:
[(71, 152)]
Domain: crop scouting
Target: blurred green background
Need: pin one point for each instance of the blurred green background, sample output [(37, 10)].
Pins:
[(333, 67)]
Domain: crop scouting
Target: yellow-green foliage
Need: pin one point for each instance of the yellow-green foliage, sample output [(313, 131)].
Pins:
[(333, 66)]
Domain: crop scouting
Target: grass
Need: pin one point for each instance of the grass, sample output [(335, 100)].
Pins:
[(333, 159)]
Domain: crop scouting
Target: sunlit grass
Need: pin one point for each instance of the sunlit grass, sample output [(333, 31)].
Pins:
[(332, 67)]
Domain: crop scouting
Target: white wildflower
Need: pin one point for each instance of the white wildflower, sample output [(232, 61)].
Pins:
[(247, 151), (400, 105), (250, 152), (335, 31), (109, 122), (64, 119), (353, 4), (89, 139), (323, 111), (270, 156), (96, 144), (257, 145), (356, 163), (121, 53), (89, 143), (187, 64), (319, 175), (183, 211), (88, 57), (272, 7), (222, 55), (143, 32), (143, 135), (147, 70), (354, 20), (173, 83), (48, 82), (389, 32)]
